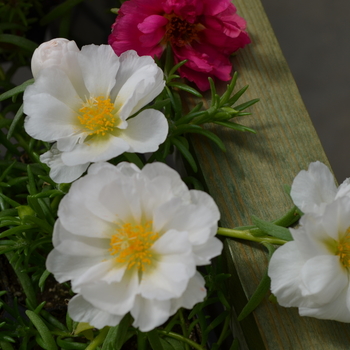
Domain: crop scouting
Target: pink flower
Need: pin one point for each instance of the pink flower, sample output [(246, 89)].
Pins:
[(204, 32)]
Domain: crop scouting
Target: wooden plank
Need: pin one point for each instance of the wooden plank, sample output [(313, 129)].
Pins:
[(248, 179)]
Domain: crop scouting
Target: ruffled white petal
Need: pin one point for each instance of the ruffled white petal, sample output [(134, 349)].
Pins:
[(149, 314), (99, 67), (146, 131), (284, 271), (194, 293), (82, 311), (60, 172), (335, 310), (314, 188)]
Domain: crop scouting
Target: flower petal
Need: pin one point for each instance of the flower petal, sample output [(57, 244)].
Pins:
[(60, 172), (284, 271), (149, 314), (146, 131), (323, 278), (314, 188), (83, 311)]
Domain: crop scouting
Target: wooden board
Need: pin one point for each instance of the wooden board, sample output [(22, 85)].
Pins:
[(248, 179)]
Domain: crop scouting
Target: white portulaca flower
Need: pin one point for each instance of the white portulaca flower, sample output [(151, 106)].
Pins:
[(314, 188), (129, 240), (313, 271), (83, 101)]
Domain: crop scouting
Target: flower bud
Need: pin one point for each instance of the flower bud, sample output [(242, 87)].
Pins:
[(52, 53)]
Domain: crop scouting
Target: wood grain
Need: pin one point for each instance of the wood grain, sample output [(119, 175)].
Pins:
[(248, 179)]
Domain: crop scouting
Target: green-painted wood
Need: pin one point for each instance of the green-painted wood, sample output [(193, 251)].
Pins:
[(248, 179)]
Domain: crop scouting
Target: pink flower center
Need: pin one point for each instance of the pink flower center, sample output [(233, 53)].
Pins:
[(180, 32)]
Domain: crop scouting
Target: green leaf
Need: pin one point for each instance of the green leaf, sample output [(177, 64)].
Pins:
[(70, 345), (179, 144), (186, 88), (272, 229), (172, 344), (18, 41), (59, 11), (43, 278), (118, 335), (257, 297), (210, 135), (235, 126), (246, 104), (17, 90), (154, 340), (43, 330), (15, 121), (236, 96)]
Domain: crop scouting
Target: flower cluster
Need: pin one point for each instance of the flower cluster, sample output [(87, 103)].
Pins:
[(130, 240), (83, 101), (203, 32), (313, 271)]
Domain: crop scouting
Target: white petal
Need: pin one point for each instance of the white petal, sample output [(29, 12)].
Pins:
[(77, 218), (59, 172), (149, 314), (82, 311), (323, 278), (108, 271), (99, 66), (284, 271), (130, 63), (155, 171), (194, 293), (198, 220), (172, 270), (97, 150), (68, 243), (146, 131), (205, 252), (117, 298), (336, 310), (313, 188), (202, 198), (68, 267), (48, 119), (344, 189)]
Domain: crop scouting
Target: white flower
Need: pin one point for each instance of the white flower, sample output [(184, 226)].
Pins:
[(313, 271), (84, 101), (313, 189), (130, 240)]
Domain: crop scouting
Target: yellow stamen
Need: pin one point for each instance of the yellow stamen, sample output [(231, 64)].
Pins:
[(97, 117), (131, 245), (343, 249)]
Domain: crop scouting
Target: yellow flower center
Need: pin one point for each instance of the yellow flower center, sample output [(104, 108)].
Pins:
[(96, 116), (180, 32), (131, 245), (343, 249)]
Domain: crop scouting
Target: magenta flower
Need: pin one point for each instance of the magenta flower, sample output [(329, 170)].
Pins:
[(204, 32)]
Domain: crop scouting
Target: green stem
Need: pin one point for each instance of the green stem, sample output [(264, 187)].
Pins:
[(99, 339), (224, 330), (181, 338), (141, 341), (183, 327), (233, 233), (24, 280), (34, 157)]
